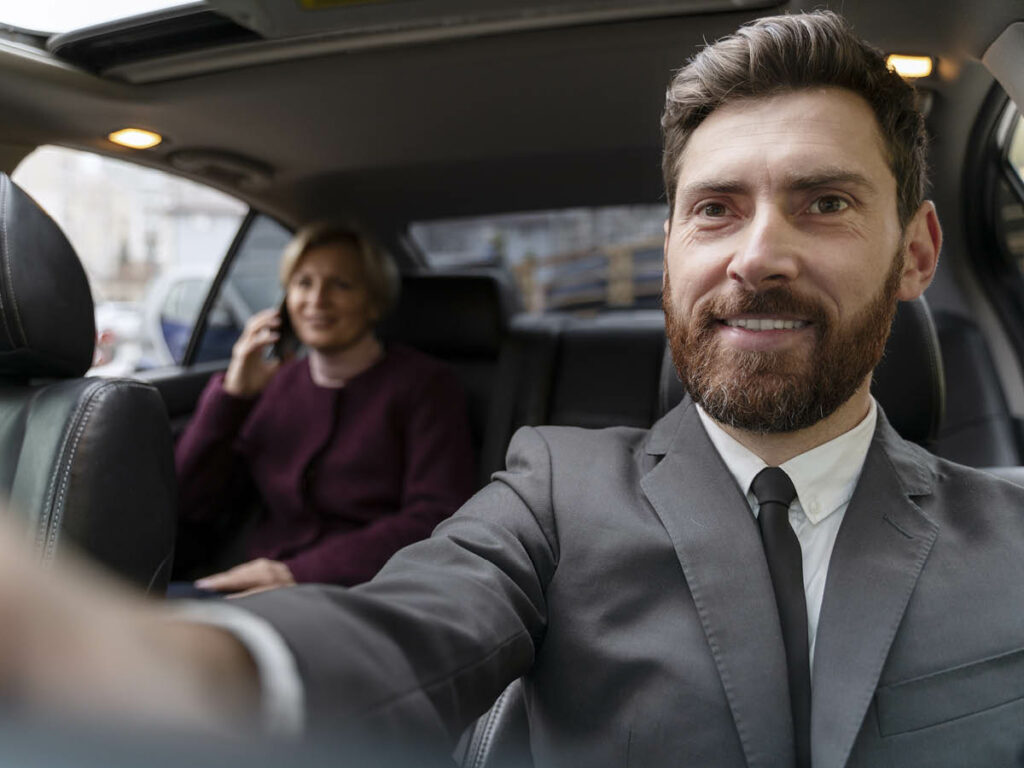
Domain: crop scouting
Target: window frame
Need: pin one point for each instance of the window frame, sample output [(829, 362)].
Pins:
[(987, 164), (216, 285), (199, 329)]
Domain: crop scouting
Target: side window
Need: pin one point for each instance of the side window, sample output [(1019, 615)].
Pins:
[(150, 243), (1010, 196), (251, 284), (582, 260)]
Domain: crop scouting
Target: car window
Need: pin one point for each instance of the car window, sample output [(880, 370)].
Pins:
[(251, 284), (580, 259), (1016, 149), (150, 243), (1011, 197)]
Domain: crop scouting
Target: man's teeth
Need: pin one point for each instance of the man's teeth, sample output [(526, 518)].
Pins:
[(765, 324)]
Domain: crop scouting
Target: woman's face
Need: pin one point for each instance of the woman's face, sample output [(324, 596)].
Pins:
[(327, 298)]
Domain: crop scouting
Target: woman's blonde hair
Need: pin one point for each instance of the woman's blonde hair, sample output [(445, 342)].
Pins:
[(379, 268)]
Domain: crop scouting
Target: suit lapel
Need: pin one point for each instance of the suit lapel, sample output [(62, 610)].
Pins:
[(716, 539), (879, 552)]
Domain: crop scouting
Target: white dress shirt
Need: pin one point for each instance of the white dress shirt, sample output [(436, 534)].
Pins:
[(824, 478), (282, 695)]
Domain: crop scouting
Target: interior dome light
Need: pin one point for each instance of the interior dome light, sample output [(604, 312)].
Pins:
[(910, 67), (135, 138)]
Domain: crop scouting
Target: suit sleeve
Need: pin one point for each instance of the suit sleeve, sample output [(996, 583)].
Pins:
[(427, 645), (211, 475), (437, 480)]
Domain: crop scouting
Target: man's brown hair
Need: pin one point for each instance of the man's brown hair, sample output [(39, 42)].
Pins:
[(777, 54)]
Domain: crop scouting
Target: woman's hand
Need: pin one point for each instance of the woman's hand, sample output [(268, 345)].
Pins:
[(250, 370), (248, 578)]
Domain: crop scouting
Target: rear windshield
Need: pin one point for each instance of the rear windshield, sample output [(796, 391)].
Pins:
[(578, 259)]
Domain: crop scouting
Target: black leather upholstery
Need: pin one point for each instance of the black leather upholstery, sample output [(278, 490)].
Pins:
[(84, 461), (501, 737), (608, 371), (909, 383), (452, 314), (463, 319), (43, 331), (559, 369), (978, 429)]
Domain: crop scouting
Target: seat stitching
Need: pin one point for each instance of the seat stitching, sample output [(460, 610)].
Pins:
[(5, 194), (490, 727), (10, 285), (56, 497)]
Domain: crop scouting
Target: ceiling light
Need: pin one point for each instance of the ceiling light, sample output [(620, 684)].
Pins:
[(910, 67), (135, 138)]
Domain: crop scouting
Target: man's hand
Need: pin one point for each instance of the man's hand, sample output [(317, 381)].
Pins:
[(78, 643), (249, 578)]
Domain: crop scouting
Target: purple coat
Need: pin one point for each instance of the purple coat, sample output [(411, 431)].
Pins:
[(347, 476)]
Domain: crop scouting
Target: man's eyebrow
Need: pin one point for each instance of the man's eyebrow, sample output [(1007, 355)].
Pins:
[(826, 177), (821, 177), (712, 187)]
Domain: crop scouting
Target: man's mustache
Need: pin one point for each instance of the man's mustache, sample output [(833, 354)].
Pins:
[(777, 300)]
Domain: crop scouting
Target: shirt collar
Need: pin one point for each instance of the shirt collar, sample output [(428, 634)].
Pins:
[(824, 477)]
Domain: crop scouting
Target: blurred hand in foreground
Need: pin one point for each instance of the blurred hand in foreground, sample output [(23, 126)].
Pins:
[(77, 643)]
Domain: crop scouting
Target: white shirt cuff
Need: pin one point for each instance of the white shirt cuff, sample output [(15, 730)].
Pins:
[(281, 691)]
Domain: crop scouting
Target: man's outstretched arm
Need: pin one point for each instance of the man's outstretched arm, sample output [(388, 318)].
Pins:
[(76, 643), (420, 651)]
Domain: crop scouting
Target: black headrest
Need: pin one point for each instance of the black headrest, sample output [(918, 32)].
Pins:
[(452, 314), (909, 383), (47, 326)]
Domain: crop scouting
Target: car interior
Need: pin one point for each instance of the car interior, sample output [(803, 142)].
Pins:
[(402, 115)]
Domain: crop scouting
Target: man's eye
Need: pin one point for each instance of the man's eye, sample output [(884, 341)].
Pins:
[(829, 204), (713, 210)]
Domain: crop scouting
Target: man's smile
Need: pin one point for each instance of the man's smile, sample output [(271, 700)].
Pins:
[(768, 323), (763, 332)]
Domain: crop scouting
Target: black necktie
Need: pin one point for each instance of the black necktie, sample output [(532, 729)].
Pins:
[(774, 493)]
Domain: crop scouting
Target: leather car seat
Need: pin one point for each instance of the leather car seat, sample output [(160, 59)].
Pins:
[(85, 463), (463, 318)]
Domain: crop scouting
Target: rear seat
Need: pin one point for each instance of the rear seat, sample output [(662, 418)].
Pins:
[(608, 371), (978, 429), (463, 319)]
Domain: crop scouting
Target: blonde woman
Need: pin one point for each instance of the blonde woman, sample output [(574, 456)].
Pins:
[(355, 450)]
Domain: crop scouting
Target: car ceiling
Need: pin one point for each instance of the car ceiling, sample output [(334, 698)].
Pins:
[(495, 119)]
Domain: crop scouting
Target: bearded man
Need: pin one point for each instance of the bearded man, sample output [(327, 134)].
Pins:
[(768, 576)]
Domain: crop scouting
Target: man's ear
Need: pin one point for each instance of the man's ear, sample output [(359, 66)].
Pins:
[(921, 245)]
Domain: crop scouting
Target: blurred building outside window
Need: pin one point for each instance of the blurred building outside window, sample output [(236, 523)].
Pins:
[(581, 260), (150, 243)]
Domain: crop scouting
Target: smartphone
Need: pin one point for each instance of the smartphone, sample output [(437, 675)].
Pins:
[(287, 343)]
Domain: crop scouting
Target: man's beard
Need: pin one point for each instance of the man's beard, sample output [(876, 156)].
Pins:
[(770, 392)]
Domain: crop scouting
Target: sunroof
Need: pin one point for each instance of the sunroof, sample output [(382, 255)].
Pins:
[(56, 16)]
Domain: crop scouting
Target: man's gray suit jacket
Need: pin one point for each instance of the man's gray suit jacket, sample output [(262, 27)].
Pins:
[(620, 573)]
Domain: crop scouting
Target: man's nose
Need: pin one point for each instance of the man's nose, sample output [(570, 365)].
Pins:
[(767, 254)]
